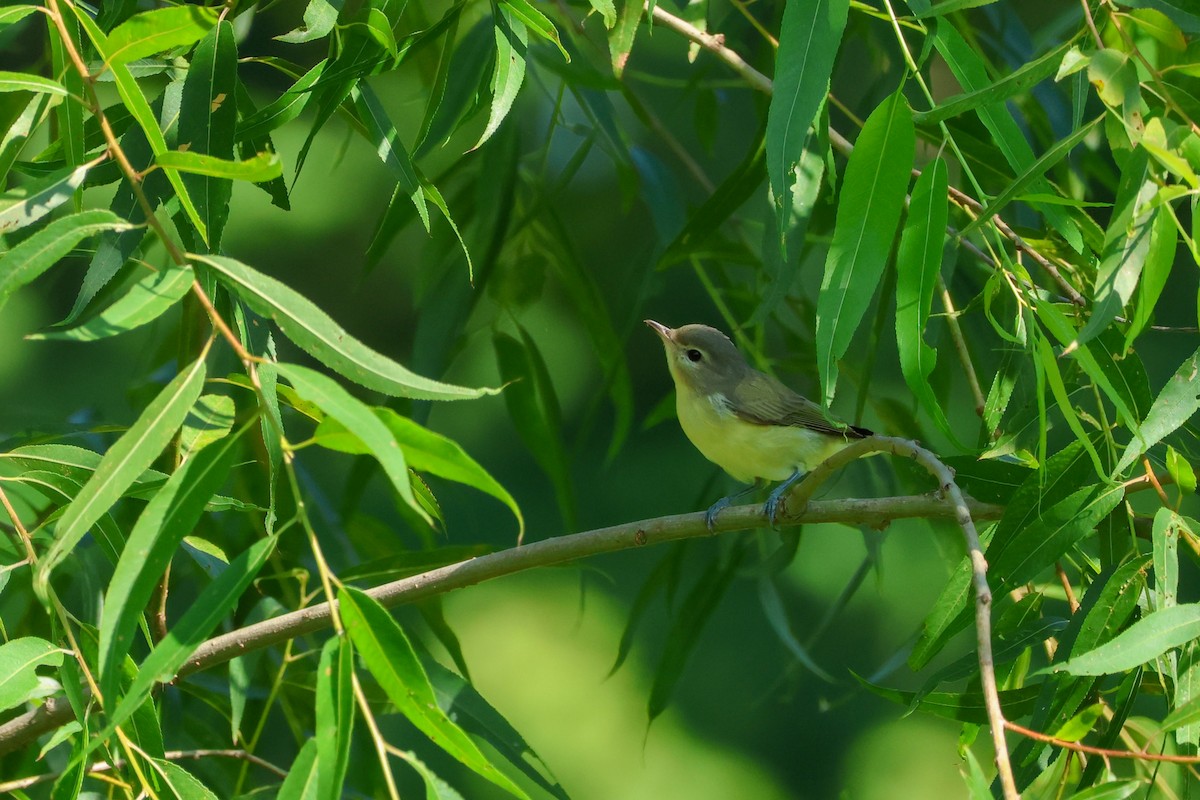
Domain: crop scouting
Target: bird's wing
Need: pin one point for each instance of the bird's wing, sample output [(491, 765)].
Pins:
[(763, 400)]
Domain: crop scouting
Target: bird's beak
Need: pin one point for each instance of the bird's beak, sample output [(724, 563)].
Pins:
[(667, 334)]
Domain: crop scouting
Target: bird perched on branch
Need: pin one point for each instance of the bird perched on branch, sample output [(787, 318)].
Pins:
[(745, 421)]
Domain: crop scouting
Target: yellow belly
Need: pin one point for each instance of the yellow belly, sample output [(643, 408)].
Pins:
[(748, 451)]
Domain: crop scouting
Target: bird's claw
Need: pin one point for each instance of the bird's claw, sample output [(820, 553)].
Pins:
[(710, 516), (771, 509)]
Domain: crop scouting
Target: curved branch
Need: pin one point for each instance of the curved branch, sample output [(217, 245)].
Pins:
[(877, 513)]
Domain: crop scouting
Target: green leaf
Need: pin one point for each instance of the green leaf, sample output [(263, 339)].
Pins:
[(1017, 82), (1181, 471), (47, 247), (1145, 640), (122, 464), (318, 335), (1165, 540), (607, 11), (621, 37), (1081, 724), (463, 703), (511, 44), (1174, 406), (209, 608), (210, 420), (146, 301), (302, 779), (536, 22), (1164, 238), (386, 651), (918, 264), (207, 131), (26, 205), (358, 420), (263, 167), (868, 212), (139, 109), (25, 82), (335, 716), (808, 43), (1113, 790), (151, 32), (1126, 247), (19, 660), (425, 451), (1032, 174), (381, 132), (183, 784), (950, 6), (777, 617), (319, 18), (1181, 12), (966, 706), (972, 75), (284, 108), (169, 516)]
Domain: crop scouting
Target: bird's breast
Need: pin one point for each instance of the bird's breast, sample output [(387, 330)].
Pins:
[(745, 450)]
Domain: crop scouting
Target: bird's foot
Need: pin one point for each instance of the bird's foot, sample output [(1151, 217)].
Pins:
[(710, 516), (775, 500)]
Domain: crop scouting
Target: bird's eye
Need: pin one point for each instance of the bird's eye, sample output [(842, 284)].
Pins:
[(694, 355)]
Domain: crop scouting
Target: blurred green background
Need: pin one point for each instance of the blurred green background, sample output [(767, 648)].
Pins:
[(747, 720)]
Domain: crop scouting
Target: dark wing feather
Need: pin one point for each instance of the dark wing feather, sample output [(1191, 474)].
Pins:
[(762, 400)]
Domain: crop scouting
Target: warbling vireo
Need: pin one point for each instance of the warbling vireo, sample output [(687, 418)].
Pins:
[(745, 421)]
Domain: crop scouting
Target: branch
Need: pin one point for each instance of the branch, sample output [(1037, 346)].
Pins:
[(170, 755), (715, 44), (1100, 751), (877, 513)]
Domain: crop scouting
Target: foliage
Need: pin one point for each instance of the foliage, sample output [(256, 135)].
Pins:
[(1019, 205)]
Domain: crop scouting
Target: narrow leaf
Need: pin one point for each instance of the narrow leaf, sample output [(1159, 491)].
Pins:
[(263, 167), (28, 204), (425, 451), (808, 43), (25, 82), (358, 420), (122, 464), (1174, 406), (1145, 640), (302, 779), (918, 264), (322, 338), (146, 301), (47, 247), (511, 44), (868, 212), (169, 516), (154, 31), (209, 608), (335, 716), (386, 651)]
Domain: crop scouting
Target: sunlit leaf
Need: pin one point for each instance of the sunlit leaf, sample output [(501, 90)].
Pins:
[(872, 197), (384, 648), (161, 29), (146, 301), (19, 660), (47, 247), (809, 38), (1174, 406), (169, 516), (322, 338), (1145, 640), (122, 464)]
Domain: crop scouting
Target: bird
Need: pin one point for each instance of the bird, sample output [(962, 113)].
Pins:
[(746, 422)]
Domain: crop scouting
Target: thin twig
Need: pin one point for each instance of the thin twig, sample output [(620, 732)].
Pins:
[(1153, 481), (960, 345), (875, 512), (1100, 751), (1063, 578)]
